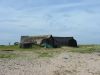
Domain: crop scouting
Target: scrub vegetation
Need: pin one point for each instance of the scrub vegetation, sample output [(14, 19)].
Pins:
[(10, 51)]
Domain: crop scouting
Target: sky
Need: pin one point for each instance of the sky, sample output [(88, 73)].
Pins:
[(77, 18)]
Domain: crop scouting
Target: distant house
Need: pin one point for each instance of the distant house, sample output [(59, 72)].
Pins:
[(47, 41)]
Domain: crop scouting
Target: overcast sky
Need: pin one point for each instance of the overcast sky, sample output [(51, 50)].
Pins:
[(77, 18)]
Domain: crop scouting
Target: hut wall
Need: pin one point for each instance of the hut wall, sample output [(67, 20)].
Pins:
[(64, 41), (72, 43), (48, 42)]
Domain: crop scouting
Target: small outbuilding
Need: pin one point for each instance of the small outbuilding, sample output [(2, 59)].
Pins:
[(65, 41)]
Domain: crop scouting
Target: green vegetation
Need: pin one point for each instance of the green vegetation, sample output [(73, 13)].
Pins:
[(45, 54), (7, 55), (12, 47), (10, 51), (17, 48), (86, 49)]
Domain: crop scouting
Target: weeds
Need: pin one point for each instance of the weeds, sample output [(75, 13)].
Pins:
[(8, 55), (45, 54)]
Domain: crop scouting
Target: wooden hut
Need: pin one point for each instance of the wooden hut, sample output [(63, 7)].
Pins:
[(26, 42), (47, 41), (65, 41), (44, 40)]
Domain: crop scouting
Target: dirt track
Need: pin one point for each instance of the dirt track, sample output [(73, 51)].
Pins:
[(63, 64)]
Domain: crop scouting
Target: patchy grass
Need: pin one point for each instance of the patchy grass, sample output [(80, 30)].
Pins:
[(7, 55), (17, 48), (45, 54), (9, 47), (10, 51), (86, 49), (49, 52)]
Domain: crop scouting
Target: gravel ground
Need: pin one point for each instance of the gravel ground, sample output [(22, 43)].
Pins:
[(63, 64)]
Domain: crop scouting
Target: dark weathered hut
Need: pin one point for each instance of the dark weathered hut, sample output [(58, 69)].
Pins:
[(47, 41), (65, 41)]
